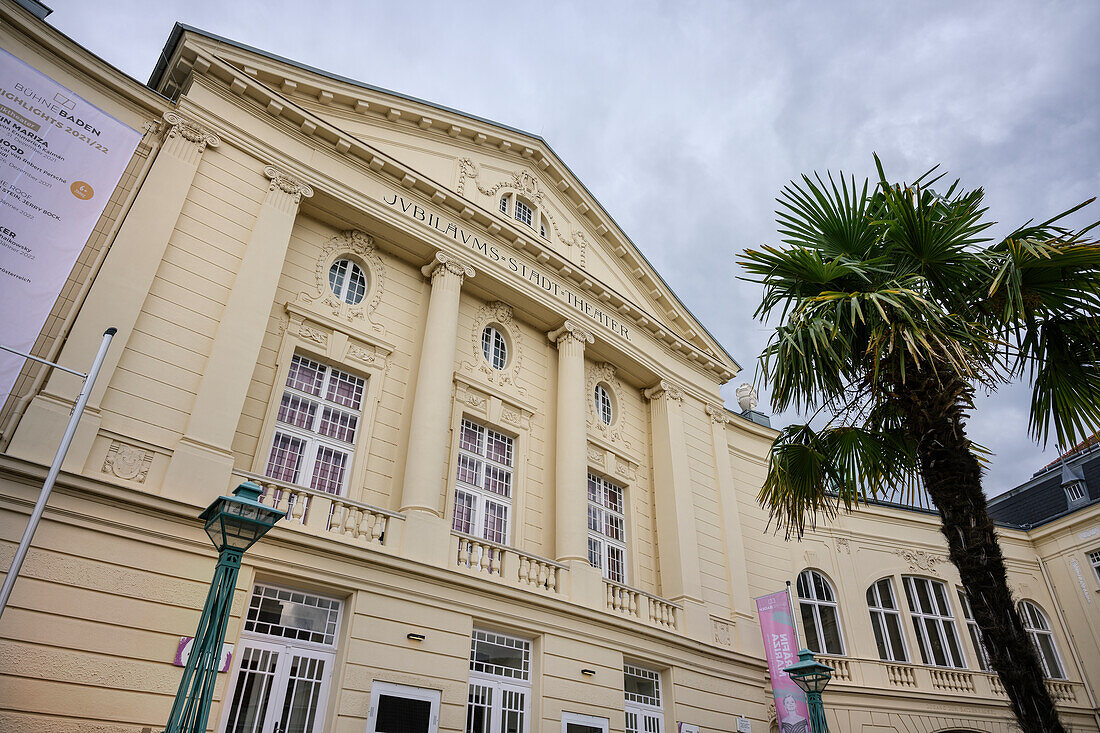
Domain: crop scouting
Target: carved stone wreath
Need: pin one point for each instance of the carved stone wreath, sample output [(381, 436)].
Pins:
[(127, 462), (527, 184), (604, 372), (501, 314), (920, 560), (361, 246)]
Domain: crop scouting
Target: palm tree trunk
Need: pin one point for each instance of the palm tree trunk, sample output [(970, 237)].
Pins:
[(934, 407)]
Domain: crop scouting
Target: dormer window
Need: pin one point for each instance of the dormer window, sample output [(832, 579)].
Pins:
[(524, 213), (542, 230), (1073, 483), (504, 204)]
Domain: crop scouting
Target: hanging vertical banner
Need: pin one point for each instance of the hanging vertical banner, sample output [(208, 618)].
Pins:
[(781, 648), (60, 160)]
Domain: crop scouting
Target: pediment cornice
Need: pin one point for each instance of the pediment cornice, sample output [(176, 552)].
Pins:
[(247, 83)]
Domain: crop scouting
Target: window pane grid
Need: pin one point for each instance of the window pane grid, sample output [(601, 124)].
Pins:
[(606, 528), (524, 213), (975, 633), (1037, 627), (500, 656), (933, 623), (348, 281), (1094, 560), (484, 470), (494, 347), (603, 404), (315, 437), (642, 685), (819, 613), (886, 621), (293, 615)]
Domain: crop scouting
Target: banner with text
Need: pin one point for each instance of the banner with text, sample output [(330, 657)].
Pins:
[(781, 647), (60, 160)]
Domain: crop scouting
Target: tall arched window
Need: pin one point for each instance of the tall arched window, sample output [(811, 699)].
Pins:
[(817, 603), (1037, 627), (886, 621)]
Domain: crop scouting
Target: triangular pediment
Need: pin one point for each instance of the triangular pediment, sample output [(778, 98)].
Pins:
[(479, 161)]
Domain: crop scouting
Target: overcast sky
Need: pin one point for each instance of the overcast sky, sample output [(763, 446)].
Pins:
[(685, 119)]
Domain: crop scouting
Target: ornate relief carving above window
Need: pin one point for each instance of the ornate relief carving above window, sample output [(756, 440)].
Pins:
[(604, 374), (499, 315), (526, 184), (919, 560), (357, 248)]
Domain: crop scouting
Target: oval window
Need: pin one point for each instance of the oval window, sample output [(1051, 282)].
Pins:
[(348, 281), (603, 404), (494, 347)]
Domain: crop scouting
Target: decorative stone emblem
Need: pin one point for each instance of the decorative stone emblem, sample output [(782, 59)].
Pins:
[(595, 455), (920, 560), (625, 469), (843, 546), (127, 462), (721, 631), (360, 247), (313, 334), (747, 397), (500, 314), (525, 183)]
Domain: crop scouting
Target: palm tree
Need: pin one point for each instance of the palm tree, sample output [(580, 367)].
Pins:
[(893, 309)]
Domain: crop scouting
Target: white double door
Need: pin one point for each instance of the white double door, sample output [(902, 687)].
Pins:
[(277, 688)]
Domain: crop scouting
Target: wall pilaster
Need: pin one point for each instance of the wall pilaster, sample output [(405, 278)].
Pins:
[(431, 405), (202, 459), (116, 297)]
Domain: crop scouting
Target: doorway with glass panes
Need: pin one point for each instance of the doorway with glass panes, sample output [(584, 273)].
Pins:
[(283, 663)]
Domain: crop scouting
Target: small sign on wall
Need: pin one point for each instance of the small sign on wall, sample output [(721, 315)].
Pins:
[(744, 725), (183, 653), (688, 728)]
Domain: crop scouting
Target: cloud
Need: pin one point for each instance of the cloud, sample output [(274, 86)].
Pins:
[(686, 119)]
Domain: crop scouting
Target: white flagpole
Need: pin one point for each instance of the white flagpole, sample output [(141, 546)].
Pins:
[(790, 599), (55, 469)]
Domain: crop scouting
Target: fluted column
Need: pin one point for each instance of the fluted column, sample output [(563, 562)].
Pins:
[(205, 446), (674, 505), (117, 295), (431, 406), (571, 462)]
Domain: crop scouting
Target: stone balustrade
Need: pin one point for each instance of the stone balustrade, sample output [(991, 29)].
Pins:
[(842, 667), (901, 675), (950, 680), (316, 512), (642, 606), (506, 564)]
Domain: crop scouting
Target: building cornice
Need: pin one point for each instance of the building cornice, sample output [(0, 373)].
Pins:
[(260, 78)]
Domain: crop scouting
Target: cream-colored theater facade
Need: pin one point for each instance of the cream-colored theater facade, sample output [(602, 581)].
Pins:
[(516, 502)]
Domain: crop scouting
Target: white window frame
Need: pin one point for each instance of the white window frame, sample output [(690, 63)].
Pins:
[(1037, 625), (504, 204), (313, 441), (578, 719), (342, 289), (501, 685), (1094, 560), (602, 546), (482, 498), (942, 620), (392, 689), (816, 602), (981, 656), (494, 347), (879, 613), (649, 716), (523, 212), (605, 405), (1075, 492), (286, 649)]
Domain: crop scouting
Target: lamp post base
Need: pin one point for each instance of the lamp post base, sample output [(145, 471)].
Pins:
[(191, 708)]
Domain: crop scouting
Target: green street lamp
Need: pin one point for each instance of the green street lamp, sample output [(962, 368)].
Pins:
[(234, 524), (812, 677)]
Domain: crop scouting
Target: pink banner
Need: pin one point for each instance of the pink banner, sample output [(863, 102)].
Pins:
[(781, 646)]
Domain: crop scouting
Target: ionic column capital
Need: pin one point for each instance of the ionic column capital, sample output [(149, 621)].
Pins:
[(570, 332), (717, 413), (444, 264), (285, 186), (664, 390), (183, 130)]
